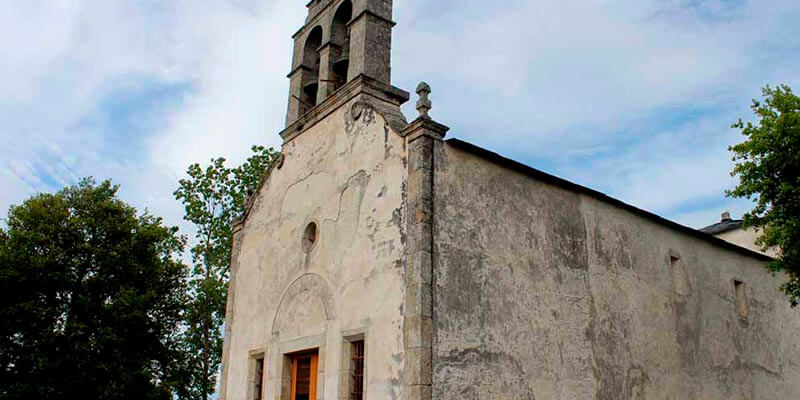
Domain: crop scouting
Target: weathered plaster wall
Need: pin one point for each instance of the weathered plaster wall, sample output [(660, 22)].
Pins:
[(544, 293), (346, 175)]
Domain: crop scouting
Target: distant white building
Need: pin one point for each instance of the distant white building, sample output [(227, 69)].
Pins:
[(732, 230)]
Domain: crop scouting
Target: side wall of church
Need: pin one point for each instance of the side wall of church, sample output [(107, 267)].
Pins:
[(541, 292), (346, 175)]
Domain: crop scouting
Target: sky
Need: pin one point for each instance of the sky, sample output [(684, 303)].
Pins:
[(633, 98)]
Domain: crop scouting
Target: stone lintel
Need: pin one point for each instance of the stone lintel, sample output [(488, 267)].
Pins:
[(425, 127), (301, 67), (362, 85), (369, 13), (328, 44)]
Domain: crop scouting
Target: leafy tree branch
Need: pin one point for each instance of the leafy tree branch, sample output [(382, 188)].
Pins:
[(768, 167), (213, 197)]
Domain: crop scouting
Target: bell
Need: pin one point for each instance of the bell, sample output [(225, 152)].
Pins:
[(344, 56)]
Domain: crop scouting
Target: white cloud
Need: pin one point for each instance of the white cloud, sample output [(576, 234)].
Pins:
[(592, 86), (35, 37), (240, 94), (71, 57), (563, 64), (583, 85)]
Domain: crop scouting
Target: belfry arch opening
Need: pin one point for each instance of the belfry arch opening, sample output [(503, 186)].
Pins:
[(311, 61), (340, 36)]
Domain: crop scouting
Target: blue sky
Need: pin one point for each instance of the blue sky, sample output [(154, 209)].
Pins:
[(633, 98)]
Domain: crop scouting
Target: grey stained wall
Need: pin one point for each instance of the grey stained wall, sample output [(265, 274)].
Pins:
[(545, 293)]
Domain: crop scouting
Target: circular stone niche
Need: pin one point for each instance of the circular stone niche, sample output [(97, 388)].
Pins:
[(310, 236)]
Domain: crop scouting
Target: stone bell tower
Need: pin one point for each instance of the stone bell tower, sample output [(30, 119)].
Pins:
[(341, 41)]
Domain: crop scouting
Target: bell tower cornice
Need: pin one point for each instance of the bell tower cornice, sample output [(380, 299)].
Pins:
[(386, 99)]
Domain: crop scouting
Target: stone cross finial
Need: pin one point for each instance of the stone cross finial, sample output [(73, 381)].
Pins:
[(424, 103)]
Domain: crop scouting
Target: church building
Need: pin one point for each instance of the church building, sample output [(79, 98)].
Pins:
[(381, 259)]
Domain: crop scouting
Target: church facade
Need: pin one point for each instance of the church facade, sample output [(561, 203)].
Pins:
[(381, 260)]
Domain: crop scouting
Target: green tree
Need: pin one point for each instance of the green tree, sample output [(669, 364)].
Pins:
[(91, 294), (768, 167), (213, 199)]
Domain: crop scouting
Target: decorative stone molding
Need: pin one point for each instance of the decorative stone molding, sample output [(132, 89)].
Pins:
[(424, 103), (424, 126), (379, 95), (422, 137), (359, 111), (307, 282)]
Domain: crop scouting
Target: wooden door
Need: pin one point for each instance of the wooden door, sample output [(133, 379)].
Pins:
[(304, 376)]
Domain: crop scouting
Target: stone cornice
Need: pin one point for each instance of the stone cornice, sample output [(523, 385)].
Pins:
[(360, 85), (423, 126), (298, 68), (369, 13)]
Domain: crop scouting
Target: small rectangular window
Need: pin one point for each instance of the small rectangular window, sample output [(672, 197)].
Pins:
[(357, 376), (258, 391), (741, 298), (680, 282)]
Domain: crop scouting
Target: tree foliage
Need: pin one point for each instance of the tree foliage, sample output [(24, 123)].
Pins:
[(91, 295), (213, 199), (768, 167)]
